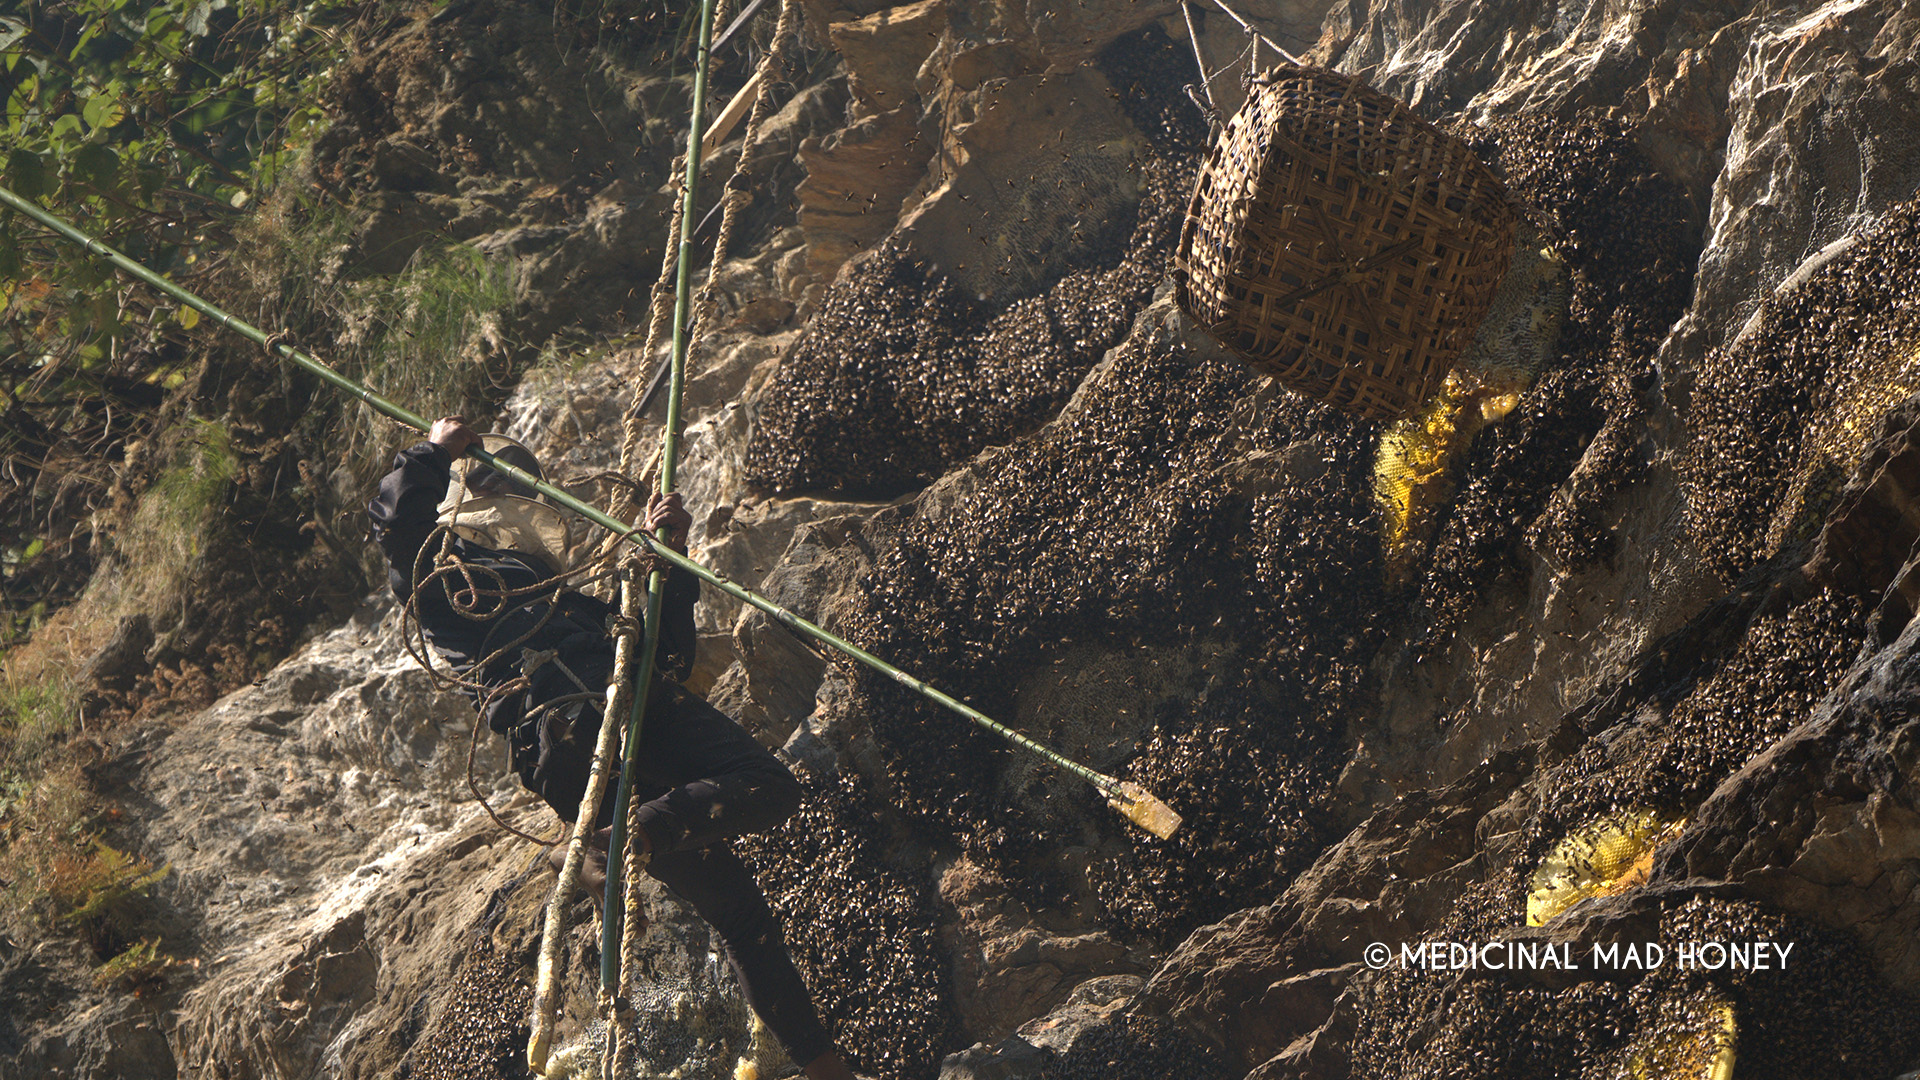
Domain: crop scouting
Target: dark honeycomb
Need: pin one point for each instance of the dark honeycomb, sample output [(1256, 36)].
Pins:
[(481, 1033), (862, 932), (1743, 703), (1112, 528), (1630, 239), (1834, 352), (900, 375), (1826, 1015)]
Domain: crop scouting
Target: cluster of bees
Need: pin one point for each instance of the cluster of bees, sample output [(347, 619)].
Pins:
[(1110, 528), (1630, 239), (1828, 1015), (1146, 70), (900, 374), (1780, 414), (481, 1033), (862, 930), (1740, 704), (1107, 528)]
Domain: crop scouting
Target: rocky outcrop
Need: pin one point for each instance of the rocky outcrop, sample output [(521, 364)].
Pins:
[(945, 407)]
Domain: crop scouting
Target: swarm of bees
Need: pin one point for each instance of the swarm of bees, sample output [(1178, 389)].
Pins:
[(1630, 239), (1829, 1015), (861, 930), (481, 1032), (1782, 412), (1107, 528), (901, 375), (1728, 708)]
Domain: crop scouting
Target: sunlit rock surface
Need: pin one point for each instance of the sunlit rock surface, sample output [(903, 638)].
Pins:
[(1662, 583)]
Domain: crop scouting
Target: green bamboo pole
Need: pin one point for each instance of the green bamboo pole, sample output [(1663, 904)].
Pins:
[(1139, 805), (611, 922)]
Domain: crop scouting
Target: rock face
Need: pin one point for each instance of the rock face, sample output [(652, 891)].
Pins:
[(946, 406)]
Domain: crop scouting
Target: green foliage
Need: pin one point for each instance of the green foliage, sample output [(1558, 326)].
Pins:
[(34, 716), (436, 338), (148, 124), (168, 531), (103, 891), (430, 336), (139, 969)]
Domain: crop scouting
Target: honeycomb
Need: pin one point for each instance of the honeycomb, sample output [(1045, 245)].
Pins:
[(1630, 240), (1604, 857)]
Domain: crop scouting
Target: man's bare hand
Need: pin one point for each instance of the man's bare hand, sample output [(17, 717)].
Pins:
[(453, 434), (668, 519)]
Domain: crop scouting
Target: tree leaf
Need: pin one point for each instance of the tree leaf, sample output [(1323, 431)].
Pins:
[(196, 20), (187, 317), (104, 110), (96, 164), (27, 174)]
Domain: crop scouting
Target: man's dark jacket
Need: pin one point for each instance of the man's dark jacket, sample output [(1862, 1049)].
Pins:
[(552, 751)]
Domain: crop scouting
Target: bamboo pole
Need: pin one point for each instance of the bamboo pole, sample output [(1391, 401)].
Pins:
[(615, 911), (730, 117), (1138, 805)]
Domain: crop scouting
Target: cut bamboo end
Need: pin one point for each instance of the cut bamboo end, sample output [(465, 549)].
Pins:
[(541, 1044), (1141, 808), (716, 135)]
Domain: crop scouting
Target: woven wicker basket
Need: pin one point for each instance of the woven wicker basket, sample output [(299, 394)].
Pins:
[(1341, 244)]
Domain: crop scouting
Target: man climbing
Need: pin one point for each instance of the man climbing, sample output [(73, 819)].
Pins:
[(505, 613)]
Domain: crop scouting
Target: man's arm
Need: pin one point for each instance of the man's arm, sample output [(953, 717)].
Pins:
[(407, 509)]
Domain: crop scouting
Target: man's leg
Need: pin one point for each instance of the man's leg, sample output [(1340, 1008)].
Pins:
[(722, 890), (703, 779)]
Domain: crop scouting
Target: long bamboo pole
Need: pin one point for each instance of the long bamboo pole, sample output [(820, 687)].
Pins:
[(1139, 805), (611, 922)]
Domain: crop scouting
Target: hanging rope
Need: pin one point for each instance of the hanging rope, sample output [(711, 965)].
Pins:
[(1254, 32), (1211, 108), (1132, 801), (774, 69)]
